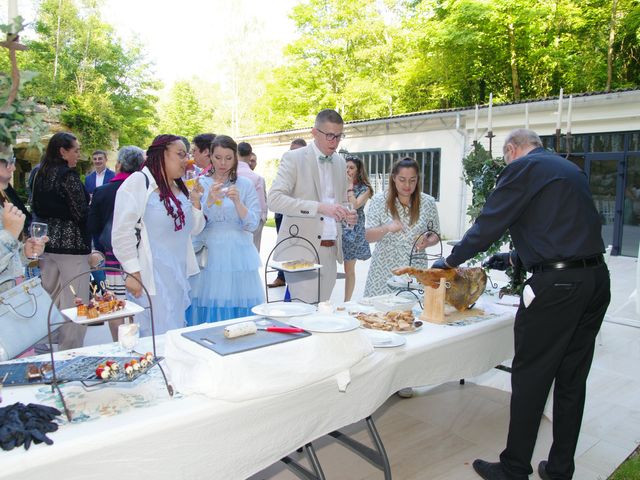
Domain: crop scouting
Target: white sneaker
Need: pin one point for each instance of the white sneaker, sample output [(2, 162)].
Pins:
[(405, 392)]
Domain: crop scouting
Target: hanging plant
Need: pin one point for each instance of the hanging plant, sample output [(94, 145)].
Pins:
[(481, 171)]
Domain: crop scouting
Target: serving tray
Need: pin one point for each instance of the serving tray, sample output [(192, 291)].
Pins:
[(78, 369)]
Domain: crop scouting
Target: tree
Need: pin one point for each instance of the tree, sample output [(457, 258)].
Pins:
[(104, 86), (182, 113), (344, 59)]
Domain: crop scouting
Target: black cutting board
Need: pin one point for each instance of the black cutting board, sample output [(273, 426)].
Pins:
[(213, 338)]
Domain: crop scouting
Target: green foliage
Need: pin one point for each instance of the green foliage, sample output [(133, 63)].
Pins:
[(104, 86), (630, 469), (480, 173), (344, 59), (21, 116), (182, 115), (367, 58)]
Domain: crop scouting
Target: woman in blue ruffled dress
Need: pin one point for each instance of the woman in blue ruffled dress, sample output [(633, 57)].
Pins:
[(229, 285), (354, 245)]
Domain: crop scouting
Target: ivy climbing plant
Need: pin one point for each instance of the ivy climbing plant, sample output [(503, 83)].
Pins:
[(481, 171)]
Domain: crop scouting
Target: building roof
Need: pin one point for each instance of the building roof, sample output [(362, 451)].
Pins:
[(447, 110)]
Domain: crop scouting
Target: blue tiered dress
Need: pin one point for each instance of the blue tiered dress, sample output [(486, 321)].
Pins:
[(229, 286)]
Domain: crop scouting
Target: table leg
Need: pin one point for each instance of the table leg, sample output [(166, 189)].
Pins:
[(378, 457), (302, 472)]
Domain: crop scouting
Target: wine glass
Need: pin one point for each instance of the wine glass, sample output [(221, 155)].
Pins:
[(346, 225), (37, 230), (128, 336)]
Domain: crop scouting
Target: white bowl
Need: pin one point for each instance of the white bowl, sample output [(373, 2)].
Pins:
[(393, 302)]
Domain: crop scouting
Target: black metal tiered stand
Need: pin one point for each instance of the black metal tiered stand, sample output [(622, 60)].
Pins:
[(293, 237), (56, 381), (423, 258)]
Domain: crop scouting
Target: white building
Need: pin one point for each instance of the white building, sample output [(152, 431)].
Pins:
[(605, 142)]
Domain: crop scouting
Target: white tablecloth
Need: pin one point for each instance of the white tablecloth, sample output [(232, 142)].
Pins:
[(254, 374), (194, 436)]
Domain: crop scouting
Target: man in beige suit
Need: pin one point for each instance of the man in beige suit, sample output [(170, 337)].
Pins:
[(309, 190)]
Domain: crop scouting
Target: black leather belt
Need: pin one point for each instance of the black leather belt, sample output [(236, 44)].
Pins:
[(569, 264)]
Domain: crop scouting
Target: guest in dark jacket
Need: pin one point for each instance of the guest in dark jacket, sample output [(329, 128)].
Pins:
[(101, 175), (130, 159), (60, 200)]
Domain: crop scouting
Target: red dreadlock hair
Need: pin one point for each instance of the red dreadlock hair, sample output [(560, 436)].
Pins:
[(155, 164)]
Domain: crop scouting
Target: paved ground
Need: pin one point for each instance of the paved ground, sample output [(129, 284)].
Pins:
[(439, 432)]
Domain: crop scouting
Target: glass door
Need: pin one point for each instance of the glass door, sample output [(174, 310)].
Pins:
[(631, 207), (603, 180)]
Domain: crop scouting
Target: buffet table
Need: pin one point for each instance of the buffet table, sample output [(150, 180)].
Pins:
[(137, 431)]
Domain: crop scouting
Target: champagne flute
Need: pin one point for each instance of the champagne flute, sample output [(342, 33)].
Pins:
[(38, 230)]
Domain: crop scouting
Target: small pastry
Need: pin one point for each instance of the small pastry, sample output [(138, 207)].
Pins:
[(33, 372)]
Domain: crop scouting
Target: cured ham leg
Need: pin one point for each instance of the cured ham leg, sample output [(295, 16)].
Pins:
[(467, 284)]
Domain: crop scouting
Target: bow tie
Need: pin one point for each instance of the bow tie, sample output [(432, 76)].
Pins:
[(325, 158)]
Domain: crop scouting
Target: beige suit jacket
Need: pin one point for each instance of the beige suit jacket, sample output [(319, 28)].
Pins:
[(296, 193)]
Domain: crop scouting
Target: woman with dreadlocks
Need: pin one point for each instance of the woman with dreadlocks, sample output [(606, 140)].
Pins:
[(156, 203)]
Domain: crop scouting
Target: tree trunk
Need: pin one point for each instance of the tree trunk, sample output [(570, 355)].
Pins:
[(612, 36), (515, 80), (55, 61)]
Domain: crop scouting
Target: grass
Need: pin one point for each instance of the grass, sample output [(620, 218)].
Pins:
[(630, 469), (271, 222)]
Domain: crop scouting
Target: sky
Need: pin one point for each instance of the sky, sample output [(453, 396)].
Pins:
[(187, 38)]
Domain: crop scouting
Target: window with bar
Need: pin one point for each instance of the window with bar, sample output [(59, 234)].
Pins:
[(379, 164)]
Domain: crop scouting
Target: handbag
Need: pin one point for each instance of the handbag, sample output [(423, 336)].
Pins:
[(23, 317), (202, 256)]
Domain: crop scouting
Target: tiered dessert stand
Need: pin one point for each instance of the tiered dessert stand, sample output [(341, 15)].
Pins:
[(83, 368), (293, 238)]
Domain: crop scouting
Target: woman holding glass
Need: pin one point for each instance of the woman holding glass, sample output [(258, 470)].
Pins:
[(168, 214), (395, 219), (60, 201), (13, 253), (229, 285), (354, 245)]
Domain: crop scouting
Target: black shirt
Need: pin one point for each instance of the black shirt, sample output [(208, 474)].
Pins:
[(545, 202)]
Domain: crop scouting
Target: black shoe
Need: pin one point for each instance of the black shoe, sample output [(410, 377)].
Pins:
[(542, 470), (489, 471), (493, 471)]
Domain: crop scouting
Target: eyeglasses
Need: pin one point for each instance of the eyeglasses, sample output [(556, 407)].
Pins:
[(332, 136), (9, 161)]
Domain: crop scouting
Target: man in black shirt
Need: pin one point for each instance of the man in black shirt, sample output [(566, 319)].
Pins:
[(545, 202)]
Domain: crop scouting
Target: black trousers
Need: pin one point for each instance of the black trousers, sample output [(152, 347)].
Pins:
[(278, 218), (554, 340)]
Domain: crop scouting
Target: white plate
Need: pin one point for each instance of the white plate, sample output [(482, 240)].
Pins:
[(129, 310), (380, 339), (326, 323), (411, 285), (279, 310), (278, 266)]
